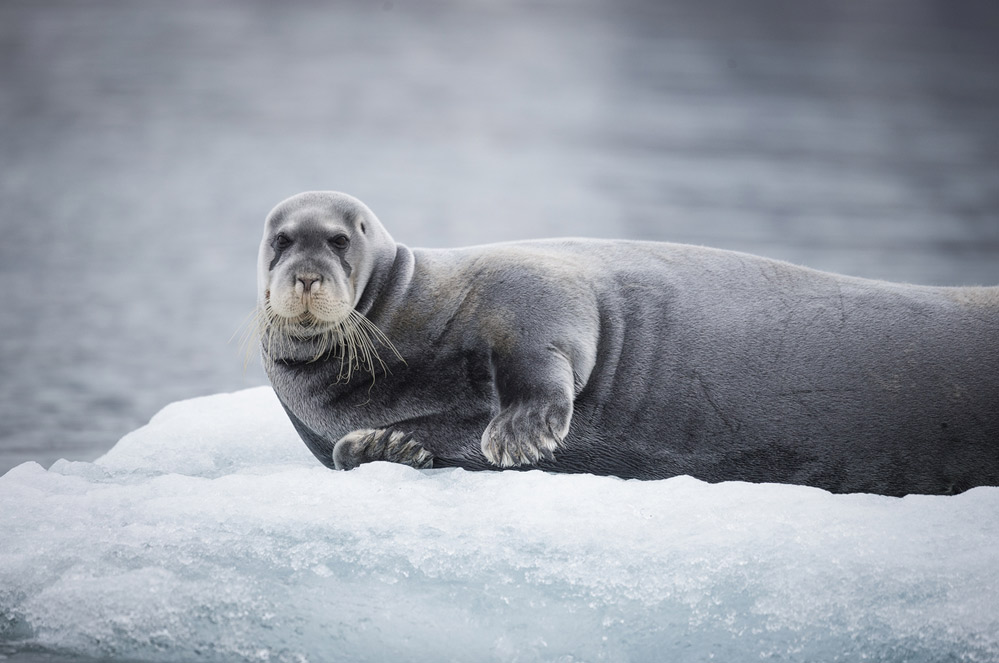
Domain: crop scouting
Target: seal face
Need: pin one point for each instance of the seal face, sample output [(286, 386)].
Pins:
[(316, 259), (636, 359)]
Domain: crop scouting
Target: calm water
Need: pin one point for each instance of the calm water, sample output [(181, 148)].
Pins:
[(142, 145)]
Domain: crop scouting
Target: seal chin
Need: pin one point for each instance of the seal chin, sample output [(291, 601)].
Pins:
[(308, 325), (348, 339)]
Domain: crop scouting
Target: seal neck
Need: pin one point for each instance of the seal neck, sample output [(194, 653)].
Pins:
[(386, 285)]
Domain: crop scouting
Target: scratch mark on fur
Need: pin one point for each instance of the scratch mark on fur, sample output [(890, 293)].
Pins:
[(796, 392), (705, 389)]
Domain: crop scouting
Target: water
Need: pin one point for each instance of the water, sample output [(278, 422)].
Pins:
[(142, 145)]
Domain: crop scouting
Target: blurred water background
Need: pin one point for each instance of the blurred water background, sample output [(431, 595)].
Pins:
[(142, 144)]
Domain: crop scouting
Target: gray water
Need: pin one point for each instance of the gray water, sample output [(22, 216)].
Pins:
[(142, 144)]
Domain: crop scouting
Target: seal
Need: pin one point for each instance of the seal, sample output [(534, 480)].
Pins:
[(635, 359)]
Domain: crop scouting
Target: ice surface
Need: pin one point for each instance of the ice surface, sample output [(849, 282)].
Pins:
[(212, 534)]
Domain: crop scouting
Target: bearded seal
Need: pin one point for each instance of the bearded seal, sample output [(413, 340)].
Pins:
[(635, 359)]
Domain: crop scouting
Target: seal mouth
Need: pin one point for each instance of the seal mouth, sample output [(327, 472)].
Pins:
[(307, 320), (308, 324), (352, 340)]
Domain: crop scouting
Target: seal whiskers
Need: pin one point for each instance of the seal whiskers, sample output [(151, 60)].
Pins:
[(250, 332), (357, 336), (355, 340)]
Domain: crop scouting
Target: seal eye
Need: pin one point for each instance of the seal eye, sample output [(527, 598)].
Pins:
[(340, 242), (281, 242)]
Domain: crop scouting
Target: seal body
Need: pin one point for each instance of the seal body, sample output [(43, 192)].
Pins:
[(640, 360)]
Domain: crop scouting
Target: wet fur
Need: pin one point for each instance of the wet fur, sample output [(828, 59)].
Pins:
[(648, 360)]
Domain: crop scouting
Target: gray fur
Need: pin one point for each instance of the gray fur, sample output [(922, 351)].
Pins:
[(649, 360)]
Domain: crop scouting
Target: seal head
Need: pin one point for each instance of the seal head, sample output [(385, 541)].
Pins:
[(321, 251)]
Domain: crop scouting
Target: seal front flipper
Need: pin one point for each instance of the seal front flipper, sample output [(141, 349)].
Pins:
[(526, 433), (368, 445), (536, 396)]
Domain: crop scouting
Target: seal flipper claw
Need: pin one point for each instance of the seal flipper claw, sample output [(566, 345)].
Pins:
[(368, 445), (526, 435)]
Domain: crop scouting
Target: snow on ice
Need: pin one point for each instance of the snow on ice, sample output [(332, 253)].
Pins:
[(212, 534)]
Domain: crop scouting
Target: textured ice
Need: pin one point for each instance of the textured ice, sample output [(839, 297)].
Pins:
[(212, 534)]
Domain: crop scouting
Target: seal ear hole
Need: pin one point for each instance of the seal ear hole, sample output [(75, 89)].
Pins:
[(363, 229)]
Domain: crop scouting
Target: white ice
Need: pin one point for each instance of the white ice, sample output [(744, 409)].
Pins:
[(213, 534)]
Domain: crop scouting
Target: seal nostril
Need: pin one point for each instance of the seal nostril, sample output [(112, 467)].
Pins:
[(308, 282)]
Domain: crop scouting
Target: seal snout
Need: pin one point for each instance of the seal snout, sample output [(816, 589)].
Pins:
[(308, 283)]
